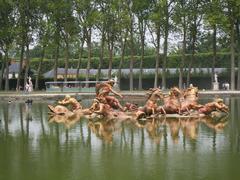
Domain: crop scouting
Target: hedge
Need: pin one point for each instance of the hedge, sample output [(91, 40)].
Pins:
[(203, 60)]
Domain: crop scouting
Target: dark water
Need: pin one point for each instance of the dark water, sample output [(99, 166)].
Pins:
[(33, 148)]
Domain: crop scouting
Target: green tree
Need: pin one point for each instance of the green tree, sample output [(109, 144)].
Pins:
[(27, 21), (131, 31), (168, 11), (43, 36), (196, 11), (7, 33), (111, 31), (232, 14), (80, 16), (155, 27), (238, 47), (213, 18), (181, 19), (55, 13), (87, 14), (123, 33), (21, 37), (68, 30), (2, 69), (102, 27), (141, 10)]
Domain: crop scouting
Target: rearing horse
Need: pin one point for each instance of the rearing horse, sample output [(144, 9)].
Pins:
[(172, 102), (190, 98), (151, 106)]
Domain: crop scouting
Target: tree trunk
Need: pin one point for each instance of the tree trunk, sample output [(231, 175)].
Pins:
[(40, 67), (123, 47), (27, 39), (89, 33), (238, 79), (7, 71), (180, 82), (132, 57), (79, 59), (214, 53), (27, 65), (2, 70), (165, 49), (66, 59), (142, 34), (157, 58), (20, 67), (110, 50), (194, 37), (101, 56), (56, 63), (164, 59), (164, 85), (232, 57), (190, 65), (238, 52)]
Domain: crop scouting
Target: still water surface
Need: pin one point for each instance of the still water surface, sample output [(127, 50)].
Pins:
[(31, 148)]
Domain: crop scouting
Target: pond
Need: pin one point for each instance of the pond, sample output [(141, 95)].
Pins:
[(33, 148)]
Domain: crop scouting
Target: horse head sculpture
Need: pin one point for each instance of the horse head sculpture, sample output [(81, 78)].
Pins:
[(191, 93), (175, 92), (154, 94)]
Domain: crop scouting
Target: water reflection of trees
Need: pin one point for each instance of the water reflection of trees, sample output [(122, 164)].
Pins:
[(235, 125), (238, 126), (5, 118)]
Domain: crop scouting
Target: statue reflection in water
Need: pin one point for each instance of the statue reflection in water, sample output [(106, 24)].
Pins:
[(189, 127), (174, 126), (68, 121), (151, 126), (215, 124), (104, 129), (155, 132)]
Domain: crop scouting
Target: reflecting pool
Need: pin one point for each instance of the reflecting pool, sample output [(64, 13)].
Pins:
[(31, 148)]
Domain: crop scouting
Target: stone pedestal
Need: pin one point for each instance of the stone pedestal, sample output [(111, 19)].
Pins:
[(215, 86)]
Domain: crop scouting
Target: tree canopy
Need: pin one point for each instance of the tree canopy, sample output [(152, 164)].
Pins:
[(106, 29)]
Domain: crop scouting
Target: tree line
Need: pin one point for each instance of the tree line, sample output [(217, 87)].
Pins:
[(69, 28)]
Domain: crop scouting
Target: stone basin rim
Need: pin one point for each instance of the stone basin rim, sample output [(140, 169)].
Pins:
[(126, 94)]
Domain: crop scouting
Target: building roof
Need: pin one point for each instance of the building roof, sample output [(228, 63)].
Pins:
[(50, 74), (14, 68)]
